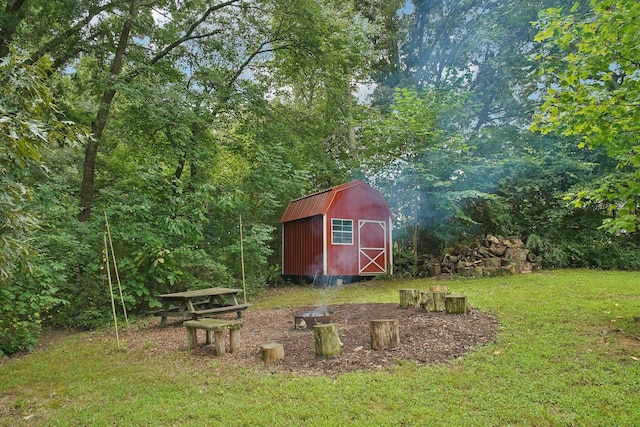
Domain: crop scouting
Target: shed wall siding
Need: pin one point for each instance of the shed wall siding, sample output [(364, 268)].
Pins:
[(302, 252)]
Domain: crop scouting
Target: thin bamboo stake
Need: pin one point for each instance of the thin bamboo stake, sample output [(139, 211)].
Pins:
[(113, 303), (115, 269), (244, 286)]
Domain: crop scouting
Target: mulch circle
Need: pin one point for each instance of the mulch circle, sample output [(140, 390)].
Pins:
[(425, 338)]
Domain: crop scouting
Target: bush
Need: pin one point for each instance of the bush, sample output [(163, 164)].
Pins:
[(23, 304)]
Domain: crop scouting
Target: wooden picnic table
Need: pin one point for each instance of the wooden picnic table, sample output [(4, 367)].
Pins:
[(200, 303)]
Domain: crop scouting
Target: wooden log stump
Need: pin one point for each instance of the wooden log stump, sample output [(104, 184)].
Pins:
[(271, 352), (426, 301), (326, 340), (385, 334), (492, 262), (438, 301), (439, 288), (433, 301), (456, 304), (409, 298), (434, 269)]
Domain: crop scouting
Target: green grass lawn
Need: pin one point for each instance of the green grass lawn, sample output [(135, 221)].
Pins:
[(567, 354)]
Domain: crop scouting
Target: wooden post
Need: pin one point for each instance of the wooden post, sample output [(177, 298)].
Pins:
[(115, 269), (192, 338), (327, 340), (385, 334), (409, 298), (271, 352), (456, 304), (234, 340), (113, 304), (218, 342)]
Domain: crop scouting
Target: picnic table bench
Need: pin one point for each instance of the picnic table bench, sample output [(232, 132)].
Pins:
[(200, 303), (217, 326)]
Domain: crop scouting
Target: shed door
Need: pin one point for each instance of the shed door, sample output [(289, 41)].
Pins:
[(372, 250)]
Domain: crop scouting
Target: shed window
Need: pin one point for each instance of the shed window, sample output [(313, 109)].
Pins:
[(342, 231)]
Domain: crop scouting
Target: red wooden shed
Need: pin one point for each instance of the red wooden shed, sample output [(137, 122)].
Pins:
[(344, 231)]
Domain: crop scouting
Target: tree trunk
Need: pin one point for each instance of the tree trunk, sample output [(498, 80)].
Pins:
[(433, 301), (426, 301), (438, 299), (100, 122), (456, 304), (327, 340), (271, 352), (385, 334), (414, 244), (409, 298)]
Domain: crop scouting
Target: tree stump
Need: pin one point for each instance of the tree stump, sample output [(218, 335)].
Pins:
[(439, 288), (456, 304), (385, 334), (433, 301), (426, 301), (434, 269), (271, 352), (327, 340), (409, 298)]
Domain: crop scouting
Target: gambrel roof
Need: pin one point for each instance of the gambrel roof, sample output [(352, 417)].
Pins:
[(319, 203)]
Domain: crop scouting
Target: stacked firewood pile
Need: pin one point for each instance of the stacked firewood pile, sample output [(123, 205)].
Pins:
[(492, 256)]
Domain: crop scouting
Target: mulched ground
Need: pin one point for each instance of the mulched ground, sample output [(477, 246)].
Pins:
[(425, 338)]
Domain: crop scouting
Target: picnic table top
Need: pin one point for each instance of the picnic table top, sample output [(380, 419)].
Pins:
[(200, 293)]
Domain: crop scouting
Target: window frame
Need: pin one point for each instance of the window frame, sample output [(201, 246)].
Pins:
[(341, 232)]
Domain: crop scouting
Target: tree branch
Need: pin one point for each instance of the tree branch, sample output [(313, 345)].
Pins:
[(187, 36), (62, 37)]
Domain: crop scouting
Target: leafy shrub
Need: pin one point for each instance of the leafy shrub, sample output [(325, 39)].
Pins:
[(23, 304)]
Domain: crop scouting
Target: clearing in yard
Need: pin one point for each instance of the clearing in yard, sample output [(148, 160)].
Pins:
[(549, 348)]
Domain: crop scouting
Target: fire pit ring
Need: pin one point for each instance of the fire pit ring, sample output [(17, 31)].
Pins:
[(308, 319)]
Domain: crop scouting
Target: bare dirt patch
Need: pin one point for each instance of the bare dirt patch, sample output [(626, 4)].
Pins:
[(425, 338)]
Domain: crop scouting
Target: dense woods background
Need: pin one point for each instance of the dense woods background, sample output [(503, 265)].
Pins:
[(172, 119)]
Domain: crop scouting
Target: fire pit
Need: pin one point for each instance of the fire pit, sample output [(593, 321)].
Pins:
[(308, 319)]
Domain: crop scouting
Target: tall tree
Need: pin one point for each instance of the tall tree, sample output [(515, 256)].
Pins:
[(589, 67), (423, 171), (129, 39)]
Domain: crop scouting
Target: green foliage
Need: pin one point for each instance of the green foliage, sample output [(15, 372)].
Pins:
[(30, 126), (589, 66), (84, 289), (425, 173), (24, 303), (530, 202)]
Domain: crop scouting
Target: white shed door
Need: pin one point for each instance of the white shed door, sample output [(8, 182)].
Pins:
[(372, 247)]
